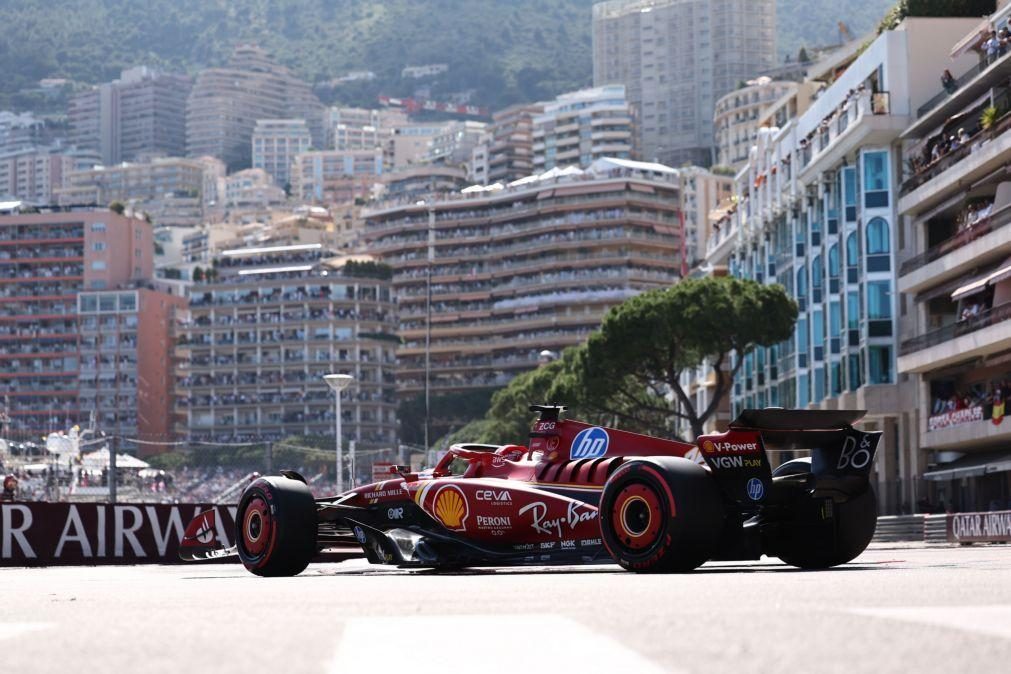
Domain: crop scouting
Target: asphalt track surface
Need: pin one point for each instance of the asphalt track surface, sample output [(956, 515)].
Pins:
[(895, 609)]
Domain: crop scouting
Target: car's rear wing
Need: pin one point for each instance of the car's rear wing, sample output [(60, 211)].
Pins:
[(841, 456)]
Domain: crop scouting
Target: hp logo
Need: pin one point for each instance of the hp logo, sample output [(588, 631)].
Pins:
[(590, 443), (756, 489)]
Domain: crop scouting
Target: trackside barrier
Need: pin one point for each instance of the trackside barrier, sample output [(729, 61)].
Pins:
[(962, 528), (43, 534), (899, 528)]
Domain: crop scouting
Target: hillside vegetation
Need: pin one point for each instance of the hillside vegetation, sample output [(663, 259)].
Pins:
[(504, 50)]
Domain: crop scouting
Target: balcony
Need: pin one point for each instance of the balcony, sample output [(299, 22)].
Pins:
[(992, 223), (987, 333)]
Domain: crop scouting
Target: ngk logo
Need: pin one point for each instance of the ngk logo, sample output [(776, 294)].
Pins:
[(711, 447)]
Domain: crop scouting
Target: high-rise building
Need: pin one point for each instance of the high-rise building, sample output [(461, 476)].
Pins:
[(276, 142), (953, 275), (676, 58), (139, 116), (125, 363), (256, 341), (46, 261), (738, 115), (580, 127), (510, 154), (225, 104), (524, 269), (334, 176), (33, 176), (817, 212)]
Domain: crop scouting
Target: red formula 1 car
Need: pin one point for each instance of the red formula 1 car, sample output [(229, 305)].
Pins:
[(583, 494)]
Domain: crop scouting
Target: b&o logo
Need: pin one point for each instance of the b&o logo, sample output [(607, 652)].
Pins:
[(590, 443)]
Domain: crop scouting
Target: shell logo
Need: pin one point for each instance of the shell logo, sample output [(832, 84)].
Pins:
[(451, 508), (708, 447)]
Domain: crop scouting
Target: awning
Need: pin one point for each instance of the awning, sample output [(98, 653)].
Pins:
[(1002, 274), (972, 40), (977, 286), (973, 465)]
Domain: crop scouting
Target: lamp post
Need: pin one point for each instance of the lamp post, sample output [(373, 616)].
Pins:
[(338, 382), (428, 325)]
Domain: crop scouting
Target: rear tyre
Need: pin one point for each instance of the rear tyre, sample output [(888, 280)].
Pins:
[(662, 514), (824, 532), (275, 527)]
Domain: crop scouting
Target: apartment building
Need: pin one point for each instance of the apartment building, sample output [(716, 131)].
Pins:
[(171, 190), (276, 143), (255, 343), (454, 144), (580, 127), (34, 175), (817, 212), (336, 176), (676, 58), (226, 103), (362, 128), (955, 202), (134, 118), (524, 269), (736, 120), (510, 153), (46, 261), (125, 363)]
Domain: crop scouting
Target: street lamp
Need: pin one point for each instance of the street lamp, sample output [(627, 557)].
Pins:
[(339, 382)]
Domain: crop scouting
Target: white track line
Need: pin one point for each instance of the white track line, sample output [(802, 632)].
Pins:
[(490, 644), (13, 630), (993, 620)]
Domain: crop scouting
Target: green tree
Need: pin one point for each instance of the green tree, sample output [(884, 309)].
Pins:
[(117, 207), (802, 56), (631, 368)]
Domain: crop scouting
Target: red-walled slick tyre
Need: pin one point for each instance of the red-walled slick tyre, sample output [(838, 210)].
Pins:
[(275, 527), (661, 514)]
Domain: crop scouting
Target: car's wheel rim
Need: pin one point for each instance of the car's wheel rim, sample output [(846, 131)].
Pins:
[(256, 526), (637, 516)]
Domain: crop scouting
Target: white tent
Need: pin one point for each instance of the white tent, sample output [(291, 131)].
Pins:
[(100, 459)]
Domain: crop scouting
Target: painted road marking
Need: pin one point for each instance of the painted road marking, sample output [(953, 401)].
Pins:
[(503, 644), (12, 630), (994, 620)]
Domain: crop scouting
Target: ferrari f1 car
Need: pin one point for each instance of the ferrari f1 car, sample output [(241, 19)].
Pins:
[(580, 493)]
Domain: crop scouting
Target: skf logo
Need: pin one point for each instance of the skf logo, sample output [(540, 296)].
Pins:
[(451, 508), (590, 443)]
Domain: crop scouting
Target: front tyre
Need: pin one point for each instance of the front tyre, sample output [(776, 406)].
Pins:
[(662, 514), (275, 527)]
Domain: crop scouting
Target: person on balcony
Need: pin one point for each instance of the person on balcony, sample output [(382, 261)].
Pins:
[(948, 82)]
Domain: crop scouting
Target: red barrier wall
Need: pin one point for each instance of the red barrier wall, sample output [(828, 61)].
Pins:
[(41, 534)]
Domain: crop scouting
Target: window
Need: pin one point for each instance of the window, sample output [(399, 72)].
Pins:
[(833, 261), (877, 237), (98, 246), (88, 303), (876, 180), (98, 265), (802, 282), (878, 245), (852, 310), (98, 226), (816, 272), (106, 302), (128, 302), (852, 250), (879, 300), (880, 364)]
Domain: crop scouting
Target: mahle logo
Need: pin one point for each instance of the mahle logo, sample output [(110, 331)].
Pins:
[(590, 443)]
